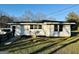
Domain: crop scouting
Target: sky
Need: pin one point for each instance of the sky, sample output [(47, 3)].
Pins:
[(57, 11)]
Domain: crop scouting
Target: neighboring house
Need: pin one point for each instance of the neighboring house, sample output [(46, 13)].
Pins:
[(43, 28)]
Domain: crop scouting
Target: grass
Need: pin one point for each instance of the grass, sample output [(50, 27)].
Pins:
[(34, 45), (31, 49), (60, 45), (41, 45), (54, 47), (70, 49)]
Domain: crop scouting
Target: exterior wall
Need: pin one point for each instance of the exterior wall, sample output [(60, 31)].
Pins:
[(66, 31), (25, 30), (47, 30), (18, 30), (29, 31)]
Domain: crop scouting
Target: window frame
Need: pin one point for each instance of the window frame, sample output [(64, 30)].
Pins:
[(35, 26), (58, 27), (55, 27), (39, 26), (31, 26)]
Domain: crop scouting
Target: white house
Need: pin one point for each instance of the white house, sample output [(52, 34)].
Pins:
[(42, 28)]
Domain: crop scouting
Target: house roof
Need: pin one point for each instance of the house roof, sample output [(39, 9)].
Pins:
[(36, 21), (42, 21)]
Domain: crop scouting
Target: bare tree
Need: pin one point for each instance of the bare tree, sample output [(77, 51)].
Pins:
[(40, 16), (4, 18), (28, 16)]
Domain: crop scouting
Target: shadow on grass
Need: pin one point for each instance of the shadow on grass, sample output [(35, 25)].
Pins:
[(22, 38), (44, 48), (64, 45), (29, 46), (37, 45), (18, 44)]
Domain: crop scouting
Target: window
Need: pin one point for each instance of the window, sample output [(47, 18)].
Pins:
[(40, 26), (35, 26), (31, 26), (56, 27), (60, 27)]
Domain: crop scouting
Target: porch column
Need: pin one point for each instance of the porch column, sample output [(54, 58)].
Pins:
[(58, 31)]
